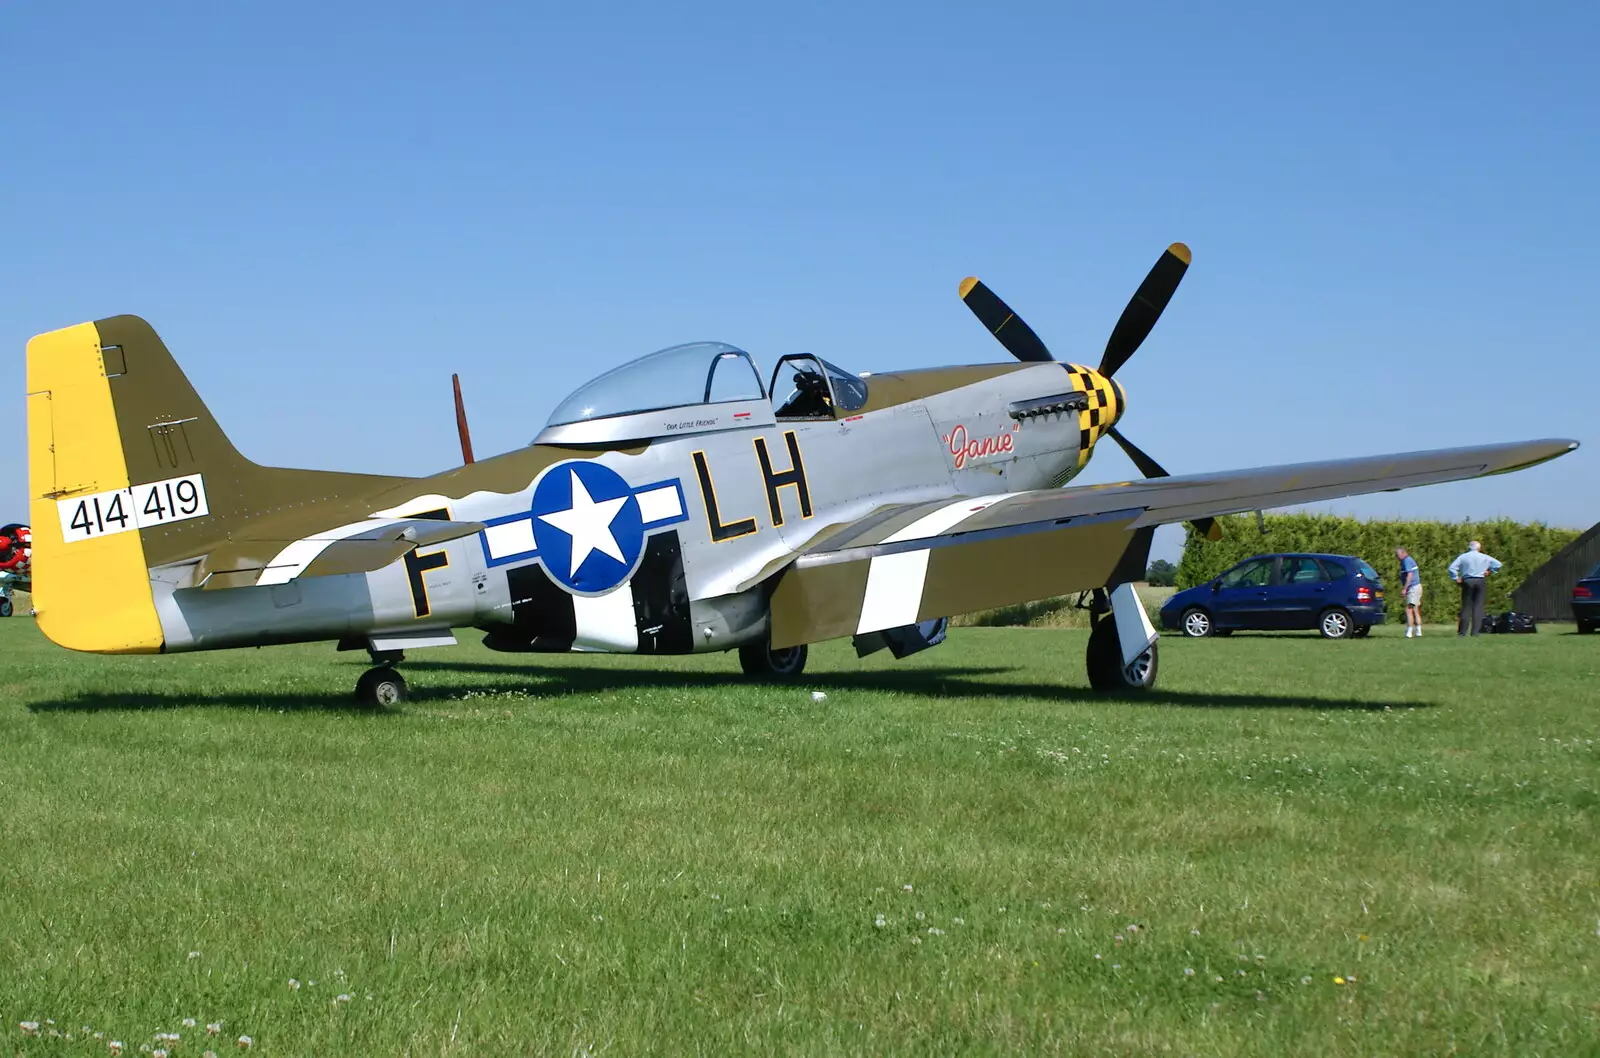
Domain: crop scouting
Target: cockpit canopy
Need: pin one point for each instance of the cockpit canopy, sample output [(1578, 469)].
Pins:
[(697, 388), (697, 373)]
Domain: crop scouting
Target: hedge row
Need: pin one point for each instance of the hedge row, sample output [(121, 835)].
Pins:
[(1523, 548)]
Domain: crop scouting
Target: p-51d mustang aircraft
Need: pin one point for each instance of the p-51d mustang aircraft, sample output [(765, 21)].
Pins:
[(677, 504)]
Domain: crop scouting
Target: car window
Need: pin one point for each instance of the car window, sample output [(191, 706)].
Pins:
[(1299, 569), (1334, 570), (1594, 574), (1254, 574), (1366, 570)]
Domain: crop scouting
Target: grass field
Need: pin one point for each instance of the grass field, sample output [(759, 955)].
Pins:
[(1294, 847)]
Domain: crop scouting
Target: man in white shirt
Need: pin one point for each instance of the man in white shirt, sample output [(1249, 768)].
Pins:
[(1469, 570)]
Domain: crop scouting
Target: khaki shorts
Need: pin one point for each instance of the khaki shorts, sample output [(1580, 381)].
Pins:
[(1414, 595)]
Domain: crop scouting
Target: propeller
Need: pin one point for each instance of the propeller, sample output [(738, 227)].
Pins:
[(1133, 327), (997, 317), (1145, 308), (461, 421)]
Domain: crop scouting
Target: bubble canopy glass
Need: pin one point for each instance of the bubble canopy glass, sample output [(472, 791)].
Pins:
[(697, 373)]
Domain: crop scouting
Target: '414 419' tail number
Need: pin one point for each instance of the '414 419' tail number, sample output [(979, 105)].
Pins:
[(135, 507)]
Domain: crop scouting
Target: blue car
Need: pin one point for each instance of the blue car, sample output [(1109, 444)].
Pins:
[(1338, 595), (1586, 602)]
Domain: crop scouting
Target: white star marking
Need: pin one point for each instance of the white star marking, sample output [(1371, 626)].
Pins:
[(589, 524)]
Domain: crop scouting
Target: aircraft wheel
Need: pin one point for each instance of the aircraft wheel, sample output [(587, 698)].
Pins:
[(1107, 673), (760, 661), (380, 688), (1197, 624), (1335, 624), (5, 607)]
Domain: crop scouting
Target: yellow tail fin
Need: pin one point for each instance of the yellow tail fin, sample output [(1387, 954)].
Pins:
[(92, 593)]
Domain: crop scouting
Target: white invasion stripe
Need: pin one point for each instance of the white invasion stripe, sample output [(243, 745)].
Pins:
[(895, 582), (292, 560), (657, 505), (605, 623), (509, 538), (894, 591)]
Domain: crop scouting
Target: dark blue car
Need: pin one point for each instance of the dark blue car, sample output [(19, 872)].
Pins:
[(1338, 595), (1586, 602)]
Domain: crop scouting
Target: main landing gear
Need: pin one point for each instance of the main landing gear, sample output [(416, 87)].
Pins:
[(762, 662), (381, 686), (1118, 626)]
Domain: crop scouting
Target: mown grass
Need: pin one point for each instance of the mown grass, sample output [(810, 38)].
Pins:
[(964, 852)]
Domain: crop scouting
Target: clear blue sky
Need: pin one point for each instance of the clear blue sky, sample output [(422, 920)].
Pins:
[(328, 208)]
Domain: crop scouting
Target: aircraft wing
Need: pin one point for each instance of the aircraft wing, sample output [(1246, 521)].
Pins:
[(913, 563), (359, 547)]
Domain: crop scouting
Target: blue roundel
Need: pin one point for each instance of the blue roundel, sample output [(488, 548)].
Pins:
[(587, 526)]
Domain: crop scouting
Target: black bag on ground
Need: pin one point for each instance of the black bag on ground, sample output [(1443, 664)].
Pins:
[(1509, 622), (1514, 622)]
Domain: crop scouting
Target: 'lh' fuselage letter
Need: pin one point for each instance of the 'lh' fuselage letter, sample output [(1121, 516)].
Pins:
[(795, 476)]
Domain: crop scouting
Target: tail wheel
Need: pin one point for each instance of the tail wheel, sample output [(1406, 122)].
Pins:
[(380, 688), (1335, 624), (1107, 673), (761, 661), (5, 607), (1197, 624)]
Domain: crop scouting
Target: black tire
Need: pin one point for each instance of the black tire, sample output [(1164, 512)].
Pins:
[(759, 661), (1586, 628), (1107, 673), (1360, 631), (1197, 623), (5, 607), (1335, 623), (380, 688)]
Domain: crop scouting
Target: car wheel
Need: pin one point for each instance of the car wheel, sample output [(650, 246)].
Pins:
[(1196, 623), (761, 662), (1335, 624), (1585, 628), (1360, 631)]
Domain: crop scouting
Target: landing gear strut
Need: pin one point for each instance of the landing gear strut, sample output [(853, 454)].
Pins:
[(1109, 669), (381, 686)]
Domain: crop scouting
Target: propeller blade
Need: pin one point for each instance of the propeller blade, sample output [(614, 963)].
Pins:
[(1209, 528), (998, 319), (1144, 308), (461, 421)]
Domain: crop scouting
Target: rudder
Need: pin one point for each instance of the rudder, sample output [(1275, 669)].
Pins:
[(91, 590)]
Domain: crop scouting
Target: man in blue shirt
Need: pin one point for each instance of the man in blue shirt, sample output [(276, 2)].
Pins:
[(1411, 588), (1468, 570)]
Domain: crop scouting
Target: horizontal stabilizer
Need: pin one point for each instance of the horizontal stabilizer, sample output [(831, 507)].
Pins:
[(360, 547)]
